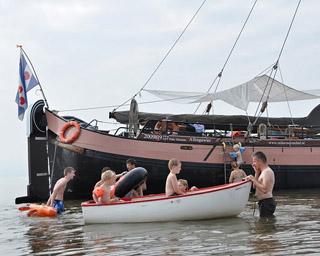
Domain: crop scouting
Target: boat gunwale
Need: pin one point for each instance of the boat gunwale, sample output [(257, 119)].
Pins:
[(314, 142), (162, 196)]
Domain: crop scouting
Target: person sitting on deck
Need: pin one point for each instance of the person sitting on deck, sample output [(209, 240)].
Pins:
[(172, 188), (237, 174)]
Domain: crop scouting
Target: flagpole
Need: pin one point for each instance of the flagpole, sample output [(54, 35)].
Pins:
[(35, 73)]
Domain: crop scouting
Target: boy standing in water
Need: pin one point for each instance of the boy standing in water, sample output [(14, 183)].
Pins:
[(172, 188), (56, 198)]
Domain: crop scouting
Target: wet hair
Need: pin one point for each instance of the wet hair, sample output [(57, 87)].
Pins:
[(107, 175), (184, 183), (173, 162), (234, 164), (260, 156), (68, 170), (105, 169), (131, 161)]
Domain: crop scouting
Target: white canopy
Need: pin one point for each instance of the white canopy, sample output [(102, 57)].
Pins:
[(255, 90)]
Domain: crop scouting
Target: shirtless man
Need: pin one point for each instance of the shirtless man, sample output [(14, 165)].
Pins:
[(56, 198), (263, 182)]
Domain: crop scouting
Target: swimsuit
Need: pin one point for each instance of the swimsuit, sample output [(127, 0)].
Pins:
[(59, 205), (238, 177), (267, 207)]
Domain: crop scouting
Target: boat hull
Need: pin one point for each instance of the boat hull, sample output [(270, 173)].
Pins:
[(205, 161), (209, 203)]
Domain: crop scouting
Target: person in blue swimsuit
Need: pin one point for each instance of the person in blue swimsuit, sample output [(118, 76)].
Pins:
[(56, 198)]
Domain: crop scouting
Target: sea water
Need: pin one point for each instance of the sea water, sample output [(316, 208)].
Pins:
[(294, 230)]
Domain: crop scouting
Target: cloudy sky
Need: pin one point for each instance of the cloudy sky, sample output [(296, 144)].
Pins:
[(100, 53)]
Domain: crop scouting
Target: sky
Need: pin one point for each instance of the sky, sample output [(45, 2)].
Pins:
[(100, 53)]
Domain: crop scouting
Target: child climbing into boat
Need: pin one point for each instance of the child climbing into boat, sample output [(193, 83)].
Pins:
[(102, 194), (237, 174), (184, 186), (237, 150), (172, 188), (56, 198)]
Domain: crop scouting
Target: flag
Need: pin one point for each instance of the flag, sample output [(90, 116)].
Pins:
[(26, 82)]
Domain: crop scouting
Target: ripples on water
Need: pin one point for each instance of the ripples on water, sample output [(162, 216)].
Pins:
[(295, 230)]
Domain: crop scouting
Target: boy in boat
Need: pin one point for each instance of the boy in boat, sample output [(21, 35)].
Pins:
[(100, 182), (102, 194), (237, 174), (56, 198), (263, 182), (172, 188), (132, 164), (184, 186)]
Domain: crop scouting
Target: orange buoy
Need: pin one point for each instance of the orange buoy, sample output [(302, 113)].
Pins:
[(65, 127)]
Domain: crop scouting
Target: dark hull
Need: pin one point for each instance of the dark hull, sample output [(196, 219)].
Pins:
[(296, 164), (89, 165)]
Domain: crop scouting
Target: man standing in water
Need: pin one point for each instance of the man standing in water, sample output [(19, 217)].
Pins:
[(263, 182), (56, 198)]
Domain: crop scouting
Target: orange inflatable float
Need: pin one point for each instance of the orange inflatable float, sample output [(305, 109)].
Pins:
[(98, 191), (41, 210)]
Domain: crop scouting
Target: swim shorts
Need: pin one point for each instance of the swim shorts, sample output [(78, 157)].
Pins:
[(59, 205), (267, 207)]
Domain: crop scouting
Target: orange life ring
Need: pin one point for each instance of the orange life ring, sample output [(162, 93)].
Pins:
[(157, 128), (65, 127)]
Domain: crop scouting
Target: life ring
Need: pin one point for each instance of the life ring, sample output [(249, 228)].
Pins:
[(65, 127), (157, 128), (132, 179)]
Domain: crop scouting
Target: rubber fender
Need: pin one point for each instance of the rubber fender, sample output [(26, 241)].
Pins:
[(131, 180)]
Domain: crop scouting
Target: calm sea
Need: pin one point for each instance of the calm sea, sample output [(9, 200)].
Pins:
[(295, 230)]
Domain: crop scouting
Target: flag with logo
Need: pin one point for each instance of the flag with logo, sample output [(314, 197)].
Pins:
[(26, 82)]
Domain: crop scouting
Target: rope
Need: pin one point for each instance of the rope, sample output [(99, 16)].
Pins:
[(153, 73), (112, 106), (286, 97), (233, 47), (275, 67)]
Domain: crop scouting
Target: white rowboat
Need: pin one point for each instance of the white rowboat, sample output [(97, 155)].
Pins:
[(206, 203)]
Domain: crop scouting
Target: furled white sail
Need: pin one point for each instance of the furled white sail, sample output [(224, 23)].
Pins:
[(258, 89)]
